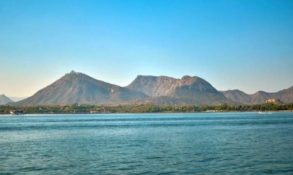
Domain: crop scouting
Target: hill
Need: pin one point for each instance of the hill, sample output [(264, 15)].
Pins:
[(285, 96), (4, 100), (79, 88), (187, 90)]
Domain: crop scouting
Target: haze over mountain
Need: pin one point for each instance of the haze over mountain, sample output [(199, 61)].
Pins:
[(78, 88), (4, 100)]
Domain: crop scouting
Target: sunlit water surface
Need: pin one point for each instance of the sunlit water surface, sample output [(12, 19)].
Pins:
[(201, 143)]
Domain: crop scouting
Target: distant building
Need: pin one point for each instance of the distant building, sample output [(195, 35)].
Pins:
[(273, 101)]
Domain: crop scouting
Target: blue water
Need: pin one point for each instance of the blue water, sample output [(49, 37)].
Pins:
[(201, 143)]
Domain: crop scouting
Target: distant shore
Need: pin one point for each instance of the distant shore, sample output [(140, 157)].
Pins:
[(142, 108)]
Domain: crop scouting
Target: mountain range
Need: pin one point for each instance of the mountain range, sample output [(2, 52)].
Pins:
[(78, 88), (285, 96)]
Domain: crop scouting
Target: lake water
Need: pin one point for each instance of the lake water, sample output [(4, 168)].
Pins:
[(201, 143)]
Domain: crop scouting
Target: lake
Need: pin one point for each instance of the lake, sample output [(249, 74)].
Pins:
[(199, 143)]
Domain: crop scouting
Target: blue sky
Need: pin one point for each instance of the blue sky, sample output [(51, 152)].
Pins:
[(243, 44)]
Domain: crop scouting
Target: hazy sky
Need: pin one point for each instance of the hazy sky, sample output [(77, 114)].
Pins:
[(246, 45)]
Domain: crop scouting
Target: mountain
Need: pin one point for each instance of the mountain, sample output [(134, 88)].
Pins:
[(4, 100), (260, 97), (79, 88), (187, 90), (237, 96), (285, 96)]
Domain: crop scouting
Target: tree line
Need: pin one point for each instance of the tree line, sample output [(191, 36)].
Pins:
[(142, 108)]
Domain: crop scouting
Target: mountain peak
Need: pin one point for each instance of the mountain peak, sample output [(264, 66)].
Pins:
[(188, 77), (3, 95), (74, 73), (234, 91), (4, 99), (153, 77), (260, 93), (145, 76), (75, 87), (237, 96)]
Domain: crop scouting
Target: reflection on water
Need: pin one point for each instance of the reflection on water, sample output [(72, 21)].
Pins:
[(202, 143)]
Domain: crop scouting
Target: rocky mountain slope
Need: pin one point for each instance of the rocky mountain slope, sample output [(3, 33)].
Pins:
[(187, 90), (81, 89)]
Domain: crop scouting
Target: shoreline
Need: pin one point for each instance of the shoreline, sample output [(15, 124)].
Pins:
[(119, 113), (143, 108)]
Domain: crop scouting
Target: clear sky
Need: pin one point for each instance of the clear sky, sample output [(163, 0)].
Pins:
[(243, 44)]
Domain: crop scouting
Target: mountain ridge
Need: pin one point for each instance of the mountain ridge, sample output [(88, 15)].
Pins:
[(79, 88), (285, 95), (188, 89)]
